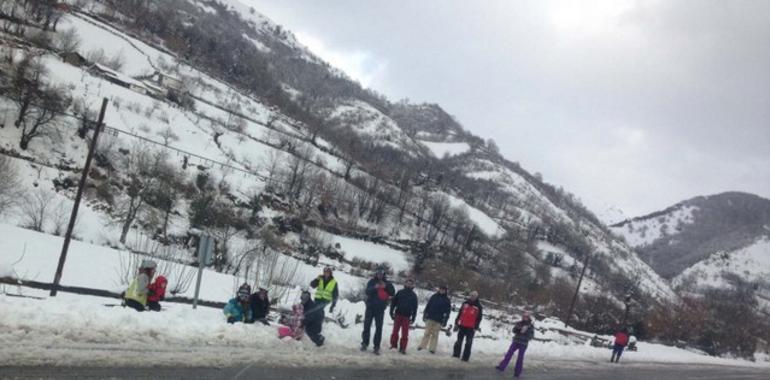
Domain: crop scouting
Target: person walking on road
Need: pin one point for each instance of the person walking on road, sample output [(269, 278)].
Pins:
[(523, 332), (468, 322), (378, 293), (403, 310), (621, 340), (135, 296), (326, 289), (435, 316)]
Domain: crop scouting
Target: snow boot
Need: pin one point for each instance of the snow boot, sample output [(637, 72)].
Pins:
[(376, 351), (363, 347), (402, 351)]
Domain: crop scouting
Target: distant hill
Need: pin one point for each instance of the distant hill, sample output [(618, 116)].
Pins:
[(682, 235)]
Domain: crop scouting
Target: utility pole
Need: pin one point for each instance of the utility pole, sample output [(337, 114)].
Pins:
[(71, 226), (577, 290)]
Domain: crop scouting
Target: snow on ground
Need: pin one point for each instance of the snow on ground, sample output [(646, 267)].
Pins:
[(442, 149), (78, 330), (482, 220), (372, 252)]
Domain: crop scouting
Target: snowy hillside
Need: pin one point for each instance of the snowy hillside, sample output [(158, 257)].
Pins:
[(285, 157)]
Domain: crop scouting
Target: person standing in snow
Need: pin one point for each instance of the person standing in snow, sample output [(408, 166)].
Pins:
[(403, 310), (435, 316), (260, 306), (378, 292), (238, 308), (136, 294), (326, 289), (156, 293), (621, 340), (523, 332), (314, 318), (467, 323)]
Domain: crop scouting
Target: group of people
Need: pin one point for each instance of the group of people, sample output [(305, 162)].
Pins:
[(143, 293), (308, 315)]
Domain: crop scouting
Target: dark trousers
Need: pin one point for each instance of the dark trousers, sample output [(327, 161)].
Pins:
[(321, 304), (153, 305), (616, 352), (401, 323), (134, 305), (522, 348), (376, 315), (316, 337), (467, 334)]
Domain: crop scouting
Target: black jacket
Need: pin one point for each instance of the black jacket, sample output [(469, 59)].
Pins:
[(404, 304), (314, 317), (523, 332), (372, 299), (473, 303), (438, 308), (259, 308)]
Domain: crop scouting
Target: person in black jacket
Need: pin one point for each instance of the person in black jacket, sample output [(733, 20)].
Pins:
[(523, 332), (403, 310), (378, 293), (467, 323), (435, 316), (260, 306), (314, 318)]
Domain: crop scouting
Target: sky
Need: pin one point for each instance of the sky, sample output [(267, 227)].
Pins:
[(631, 104)]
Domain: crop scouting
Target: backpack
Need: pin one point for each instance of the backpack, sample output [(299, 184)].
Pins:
[(469, 314)]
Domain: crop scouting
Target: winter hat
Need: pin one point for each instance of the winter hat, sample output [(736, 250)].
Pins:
[(161, 280), (443, 287), (328, 269), (305, 296), (244, 292), (148, 264)]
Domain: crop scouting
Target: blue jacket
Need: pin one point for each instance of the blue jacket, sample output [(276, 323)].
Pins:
[(438, 308), (235, 309), (372, 298)]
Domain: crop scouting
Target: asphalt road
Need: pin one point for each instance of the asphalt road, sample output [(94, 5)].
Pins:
[(619, 372)]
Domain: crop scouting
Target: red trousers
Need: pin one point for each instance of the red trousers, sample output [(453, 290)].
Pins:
[(401, 323)]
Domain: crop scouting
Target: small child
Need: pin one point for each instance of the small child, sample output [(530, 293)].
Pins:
[(294, 327), (156, 293)]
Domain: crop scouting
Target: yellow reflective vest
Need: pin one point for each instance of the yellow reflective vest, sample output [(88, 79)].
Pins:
[(136, 294), (324, 292)]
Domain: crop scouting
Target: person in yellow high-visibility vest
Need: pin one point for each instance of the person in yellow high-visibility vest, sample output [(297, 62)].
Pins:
[(326, 289), (136, 294)]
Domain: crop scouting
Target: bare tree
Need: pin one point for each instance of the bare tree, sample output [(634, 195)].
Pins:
[(168, 135), (36, 209), (9, 184), (67, 41), (140, 165), (263, 264)]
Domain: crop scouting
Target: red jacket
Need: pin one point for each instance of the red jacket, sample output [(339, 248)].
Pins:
[(621, 338), (157, 290)]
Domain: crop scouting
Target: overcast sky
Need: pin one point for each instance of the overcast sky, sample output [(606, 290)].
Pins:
[(637, 104)]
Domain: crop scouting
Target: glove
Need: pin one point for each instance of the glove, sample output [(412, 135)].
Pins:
[(424, 318), (411, 321), (331, 309), (478, 329), (230, 319), (457, 328), (392, 316)]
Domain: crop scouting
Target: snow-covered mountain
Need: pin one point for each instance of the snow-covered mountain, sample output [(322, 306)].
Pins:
[(248, 134), (682, 235)]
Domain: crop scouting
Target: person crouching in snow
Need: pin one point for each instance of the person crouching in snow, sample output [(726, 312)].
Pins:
[(403, 310), (523, 332), (260, 306), (238, 308), (314, 319), (467, 323), (293, 324), (621, 340), (136, 294), (157, 293)]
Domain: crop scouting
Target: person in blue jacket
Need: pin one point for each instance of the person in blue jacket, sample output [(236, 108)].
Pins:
[(435, 316), (379, 291), (238, 308)]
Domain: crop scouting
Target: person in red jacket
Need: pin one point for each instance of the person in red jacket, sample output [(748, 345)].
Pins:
[(621, 340), (156, 292), (467, 323)]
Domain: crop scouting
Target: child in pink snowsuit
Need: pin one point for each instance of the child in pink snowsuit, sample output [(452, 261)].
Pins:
[(294, 328)]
